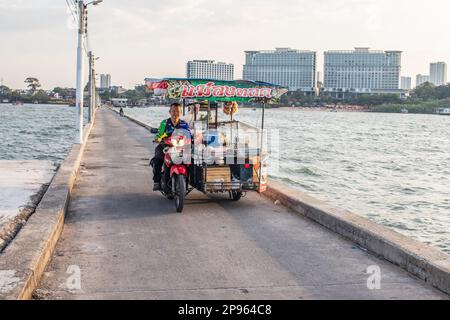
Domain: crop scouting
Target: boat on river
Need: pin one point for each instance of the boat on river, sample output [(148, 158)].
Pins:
[(443, 111)]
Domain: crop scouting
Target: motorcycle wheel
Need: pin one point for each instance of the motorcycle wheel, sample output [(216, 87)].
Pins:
[(179, 182), (236, 195)]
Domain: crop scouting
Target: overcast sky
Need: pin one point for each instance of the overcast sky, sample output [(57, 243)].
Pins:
[(146, 38)]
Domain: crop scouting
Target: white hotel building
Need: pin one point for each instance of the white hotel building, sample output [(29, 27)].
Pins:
[(105, 81), (209, 69), (438, 73), (406, 83), (293, 69), (421, 79), (362, 71)]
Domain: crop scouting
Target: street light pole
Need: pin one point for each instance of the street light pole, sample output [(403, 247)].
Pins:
[(82, 31), (91, 83), (80, 69), (94, 90), (92, 86)]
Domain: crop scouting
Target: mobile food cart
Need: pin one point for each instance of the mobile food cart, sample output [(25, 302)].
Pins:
[(226, 155)]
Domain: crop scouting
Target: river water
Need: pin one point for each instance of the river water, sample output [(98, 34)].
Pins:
[(36, 132), (391, 168)]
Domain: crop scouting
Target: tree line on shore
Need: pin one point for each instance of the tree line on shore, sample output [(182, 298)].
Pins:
[(59, 95), (34, 93), (423, 99), (426, 98)]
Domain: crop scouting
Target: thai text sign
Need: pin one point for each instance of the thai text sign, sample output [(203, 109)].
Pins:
[(243, 91)]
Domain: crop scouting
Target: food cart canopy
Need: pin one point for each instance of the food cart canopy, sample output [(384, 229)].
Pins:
[(217, 90)]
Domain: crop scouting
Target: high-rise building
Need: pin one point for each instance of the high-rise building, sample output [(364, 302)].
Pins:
[(421, 79), (438, 73), (319, 77), (209, 69), (406, 83), (362, 71), (293, 69), (105, 81)]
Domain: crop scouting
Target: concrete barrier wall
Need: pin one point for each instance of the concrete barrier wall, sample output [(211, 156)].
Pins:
[(421, 260), (25, 259)]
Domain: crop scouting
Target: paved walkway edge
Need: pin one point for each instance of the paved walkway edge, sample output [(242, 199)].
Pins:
[(421, 260), (25, 259), (140, 123)]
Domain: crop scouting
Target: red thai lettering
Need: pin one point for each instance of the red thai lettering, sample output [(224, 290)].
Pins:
[(230, 91), (204, 90), (265, 93), (187, 91), (253, 92), (242, 92), (218, 91)]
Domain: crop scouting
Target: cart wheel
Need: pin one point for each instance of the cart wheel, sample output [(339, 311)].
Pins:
[(236, 195), (180, 191)]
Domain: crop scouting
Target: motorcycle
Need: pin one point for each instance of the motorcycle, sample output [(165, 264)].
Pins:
[(175, 173)]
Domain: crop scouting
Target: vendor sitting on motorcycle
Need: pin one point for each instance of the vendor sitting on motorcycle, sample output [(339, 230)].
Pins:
[(166, 129)]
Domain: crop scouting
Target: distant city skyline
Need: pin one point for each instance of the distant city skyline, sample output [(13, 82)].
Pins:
[(137, 39)]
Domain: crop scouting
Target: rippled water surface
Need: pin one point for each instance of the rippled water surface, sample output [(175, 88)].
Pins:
[(391, 168), (41, 132)]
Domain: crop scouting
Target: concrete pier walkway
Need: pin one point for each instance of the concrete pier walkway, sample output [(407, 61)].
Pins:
[(129, 243)]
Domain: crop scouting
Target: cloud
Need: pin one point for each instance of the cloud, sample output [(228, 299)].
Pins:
[(138, 38)]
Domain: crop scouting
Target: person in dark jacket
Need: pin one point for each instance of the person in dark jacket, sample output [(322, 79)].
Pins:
[(166, 128)]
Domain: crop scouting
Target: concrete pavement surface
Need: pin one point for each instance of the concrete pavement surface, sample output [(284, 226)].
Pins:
[(22, 184), (124, 241), (20, 180)]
